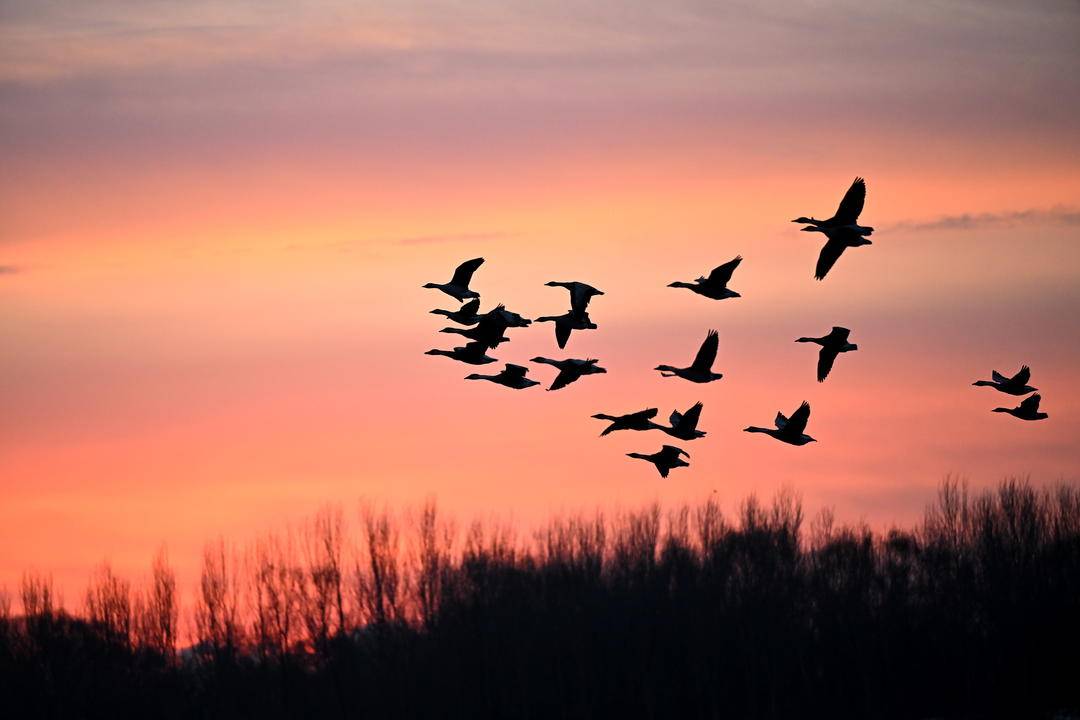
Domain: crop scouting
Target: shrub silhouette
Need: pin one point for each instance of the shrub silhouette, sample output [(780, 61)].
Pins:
[(686, 613)]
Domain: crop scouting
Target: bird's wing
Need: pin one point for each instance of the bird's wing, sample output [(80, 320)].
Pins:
[(781, 420), (998, 377), (676, 418), (852, 204), (514, 372), (563, 379), (706, 354), (690, 419), (580, 294), (562, 331), (1022, 377), (722, 274), (830, 253), (647, 414), (465, 271), (840, 334), (1031, 404), (476, 348), (797, 424), (825, 361), (663, 469), (670, 452), (470, 307)]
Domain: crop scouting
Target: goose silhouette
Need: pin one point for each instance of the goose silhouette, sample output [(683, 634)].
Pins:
[(665, 460), (570, 370), (1028, 409), (1016, 385), (714, 286), (465, 315), (641, 420), (566, 323), (512, 376), (490, 327), (700, 371), (474, 353), (847, 214), (684, 425), (832, 345), (839, 240), (580, 294), (789, 430), (458, 287)]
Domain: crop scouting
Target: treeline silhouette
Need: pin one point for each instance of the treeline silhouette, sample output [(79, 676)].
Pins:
[(687, 613)]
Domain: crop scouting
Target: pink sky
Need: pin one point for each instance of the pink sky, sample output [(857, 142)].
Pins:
[(215, 220)]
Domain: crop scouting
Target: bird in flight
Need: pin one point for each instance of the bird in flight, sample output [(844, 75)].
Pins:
[(665, 460), (458, 287), (1016, 385), (512, 376), (841, 230), (474, 353), (1028, 409), (684, 425), (641, 420), (465, 315), (570, 370), (580, 294), (790, 430), (714, 286), (700, 371), (490, 327), (566, 323), (832, 345)]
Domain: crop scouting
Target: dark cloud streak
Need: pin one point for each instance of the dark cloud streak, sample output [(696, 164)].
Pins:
[(1058, 215)]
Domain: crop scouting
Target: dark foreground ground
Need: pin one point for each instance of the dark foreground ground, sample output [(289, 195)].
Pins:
[(975, 613)]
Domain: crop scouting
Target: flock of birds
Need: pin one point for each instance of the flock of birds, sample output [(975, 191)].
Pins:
[(486, 332)]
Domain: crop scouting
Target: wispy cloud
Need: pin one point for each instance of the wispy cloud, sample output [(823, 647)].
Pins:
[(1059, 215), (9, 269), (452, 238)]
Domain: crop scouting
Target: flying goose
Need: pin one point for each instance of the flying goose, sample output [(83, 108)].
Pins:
[(473, 353), (789, 430), (567, 323), (641, 420), (570, 370), (489, 328), (832, 345), (839, 239), (700, 371), (714, 286), (512, 376), (667, 459), (847, 214), (1028, 409), (465, 315), (684, 425), (1016, 385), (458, 287), (580, 294)]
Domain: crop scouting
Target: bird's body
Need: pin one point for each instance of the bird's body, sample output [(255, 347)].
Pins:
[(641, 420), (1028, 409), (700, 371), (473, 353), (714, 286), (842, 229), (833, 344), (465, 315), (684, 425), (458, 287), (789, 430), (490, 327), (512, 376), (1016, 385), (566, 323), (570, 370), (665, 460)]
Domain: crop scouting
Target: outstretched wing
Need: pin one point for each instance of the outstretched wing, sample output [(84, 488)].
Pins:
[(797, 424), (514, 372), (563, 379), (825, 361), (722, 274), (840, 334), (852, 204), (675, 418), (828, 257), (1022, 377), (670, 452), (563, 329), (781, 421), (1031, 404), (475, 348), (998, 377), (706, 354), (580, 294), (690, 419), (465, 271), (470, 307)]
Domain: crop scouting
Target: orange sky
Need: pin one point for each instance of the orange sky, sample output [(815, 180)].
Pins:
[(215, 220)]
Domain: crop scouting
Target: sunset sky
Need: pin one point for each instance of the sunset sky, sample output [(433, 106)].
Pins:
[(216, 218)]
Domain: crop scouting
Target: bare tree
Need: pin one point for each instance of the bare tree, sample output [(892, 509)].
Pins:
[(108, 604), (217, 604)]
